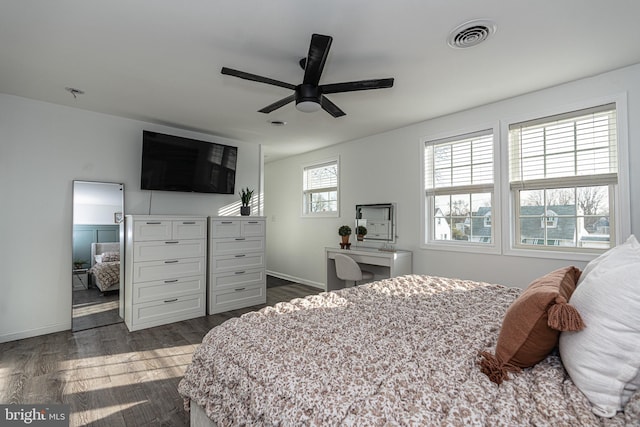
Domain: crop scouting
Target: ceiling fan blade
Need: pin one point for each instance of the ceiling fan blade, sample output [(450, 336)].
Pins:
[(318, 51), (359, 85), (256, 78), (278, 104), (331, 108)]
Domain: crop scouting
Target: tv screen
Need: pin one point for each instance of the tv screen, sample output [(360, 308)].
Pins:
[(173, 163)]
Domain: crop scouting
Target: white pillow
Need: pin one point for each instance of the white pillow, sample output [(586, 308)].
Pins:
[(603, 359)]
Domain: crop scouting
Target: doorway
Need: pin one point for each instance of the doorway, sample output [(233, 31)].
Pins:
[(98, 209)]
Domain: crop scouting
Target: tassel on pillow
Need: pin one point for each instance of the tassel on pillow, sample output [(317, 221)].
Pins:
[(494, 369), (564, 317)]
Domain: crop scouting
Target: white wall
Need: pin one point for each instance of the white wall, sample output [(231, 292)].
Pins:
[(386, 168), (43, 148)]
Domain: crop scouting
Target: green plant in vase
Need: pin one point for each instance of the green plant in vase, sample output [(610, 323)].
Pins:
[(245, 199)]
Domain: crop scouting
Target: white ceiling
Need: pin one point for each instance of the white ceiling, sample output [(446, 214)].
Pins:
[(160, 60)]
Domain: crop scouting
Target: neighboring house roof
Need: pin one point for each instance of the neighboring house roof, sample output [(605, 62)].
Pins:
[(531, 222)]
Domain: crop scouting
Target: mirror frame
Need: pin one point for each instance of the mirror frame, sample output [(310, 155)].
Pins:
[(117, 219), (391, 216)]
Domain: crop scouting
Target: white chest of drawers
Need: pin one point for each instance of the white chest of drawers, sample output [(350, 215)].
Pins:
[(237, 264), (165, 269)]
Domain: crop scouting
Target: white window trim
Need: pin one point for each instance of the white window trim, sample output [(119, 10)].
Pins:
[(334, 214), (455, 246), (622, 194)]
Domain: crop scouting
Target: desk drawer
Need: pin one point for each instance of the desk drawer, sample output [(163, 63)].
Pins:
[(167, 289), (236, 280), (169, 269), (238, 245), (170, 249), (237, 263), (231, 299)]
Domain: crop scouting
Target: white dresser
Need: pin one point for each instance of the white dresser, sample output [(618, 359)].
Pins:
[(165, 269), (237, 264)]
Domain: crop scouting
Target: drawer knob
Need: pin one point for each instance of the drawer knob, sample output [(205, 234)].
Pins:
[(171, 300), (239, 272), (240, 238), (188, 222), (239, 289), (171, 243), (153, 223), (171, 281), (240, 256), (173, 261)]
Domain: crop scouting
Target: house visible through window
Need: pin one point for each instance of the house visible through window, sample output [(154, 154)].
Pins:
[(320, 189), (459, 188), (563, 173)]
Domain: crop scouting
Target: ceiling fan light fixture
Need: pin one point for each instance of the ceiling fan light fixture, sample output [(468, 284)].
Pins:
[(308, 106)]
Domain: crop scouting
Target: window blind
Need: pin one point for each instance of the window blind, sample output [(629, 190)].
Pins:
[(572, 149), (459, 165)]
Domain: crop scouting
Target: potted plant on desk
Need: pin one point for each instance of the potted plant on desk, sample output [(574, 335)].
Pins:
[(361, 231), (245, 198), (344, 231)]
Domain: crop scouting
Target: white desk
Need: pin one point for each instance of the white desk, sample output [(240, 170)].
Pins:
[(382, 264)]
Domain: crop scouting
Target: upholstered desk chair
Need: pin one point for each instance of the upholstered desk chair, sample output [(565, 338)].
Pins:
[(349, 270)]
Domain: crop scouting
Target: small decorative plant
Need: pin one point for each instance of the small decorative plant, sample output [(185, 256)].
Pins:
[(78, 263), (361, 231), (345, 232), (245, 196)]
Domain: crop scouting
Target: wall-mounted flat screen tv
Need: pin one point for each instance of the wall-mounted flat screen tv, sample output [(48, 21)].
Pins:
[(173, 163)]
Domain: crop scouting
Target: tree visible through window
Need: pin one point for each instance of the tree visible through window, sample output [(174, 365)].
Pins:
[(320, 188), (563, 170)]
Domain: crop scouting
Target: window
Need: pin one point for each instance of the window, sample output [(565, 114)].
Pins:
[(320, 189), (563, 171), (459, 188)]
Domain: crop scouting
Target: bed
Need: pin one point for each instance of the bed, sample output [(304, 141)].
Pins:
[(105, 266), (413, 350)]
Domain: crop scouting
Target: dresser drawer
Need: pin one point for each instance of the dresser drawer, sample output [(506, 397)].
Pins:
[(189, 229), (166, 270), (231, 299), (152, 230), (238, 279), (167, 289), (237, 245), (253, 228), (167, 311), (169, 249), (223, 228), (237, 263)]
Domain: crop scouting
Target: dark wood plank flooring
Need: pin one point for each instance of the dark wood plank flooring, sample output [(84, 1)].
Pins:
[(112, 377)]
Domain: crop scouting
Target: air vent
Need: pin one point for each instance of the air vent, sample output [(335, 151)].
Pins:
[(471, 34)]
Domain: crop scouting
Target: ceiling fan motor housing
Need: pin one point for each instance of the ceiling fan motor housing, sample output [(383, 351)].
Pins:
[(308, 97)]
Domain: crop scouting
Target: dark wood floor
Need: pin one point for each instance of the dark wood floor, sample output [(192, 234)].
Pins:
[(112, 377)]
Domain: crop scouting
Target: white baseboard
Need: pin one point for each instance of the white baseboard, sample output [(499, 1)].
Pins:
[(297, 279), (36, 332)]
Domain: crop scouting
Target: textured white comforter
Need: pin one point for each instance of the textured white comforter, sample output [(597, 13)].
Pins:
[(401, 351)]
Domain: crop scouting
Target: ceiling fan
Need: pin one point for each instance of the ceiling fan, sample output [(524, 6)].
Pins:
[(310, 95)]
